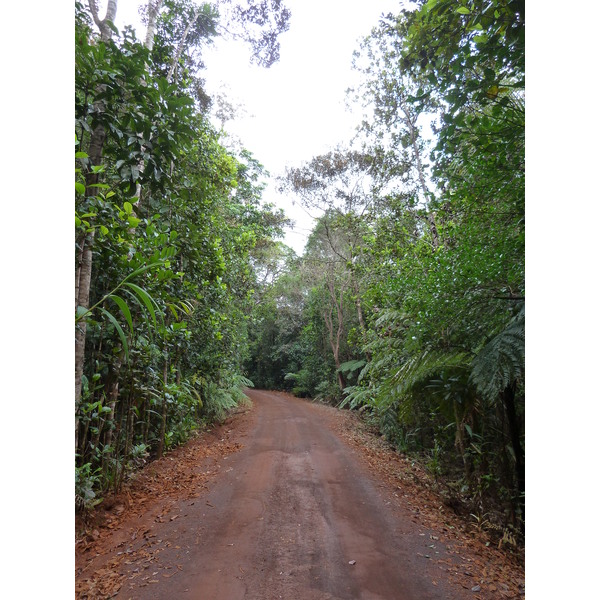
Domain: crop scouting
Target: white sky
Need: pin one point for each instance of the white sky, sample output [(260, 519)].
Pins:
[(295, 109)]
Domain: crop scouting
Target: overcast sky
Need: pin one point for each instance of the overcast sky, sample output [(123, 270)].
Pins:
[(295, 109)]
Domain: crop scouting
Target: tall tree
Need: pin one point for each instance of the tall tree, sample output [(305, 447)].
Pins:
[(161, 319), (83, 270)]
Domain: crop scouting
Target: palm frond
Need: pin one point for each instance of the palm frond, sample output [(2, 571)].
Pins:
[(501, 361)]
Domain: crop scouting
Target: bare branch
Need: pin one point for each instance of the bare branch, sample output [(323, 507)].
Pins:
[(111, 13), (175, 63)]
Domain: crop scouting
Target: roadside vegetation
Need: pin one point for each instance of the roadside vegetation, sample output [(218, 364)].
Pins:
[(409, 301), (407, 304)]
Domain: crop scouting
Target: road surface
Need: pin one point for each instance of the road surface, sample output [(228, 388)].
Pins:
[(295, 514)]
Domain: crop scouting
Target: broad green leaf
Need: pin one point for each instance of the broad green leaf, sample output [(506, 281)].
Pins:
[(124, 309), (492, 92), (80, 312), (463, 10), (145, 298), (142, 269), (119, 331), (173, 310), (127, 207), (81, 155), (79, 188)]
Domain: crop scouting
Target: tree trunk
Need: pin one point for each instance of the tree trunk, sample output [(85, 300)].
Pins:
[(128, 444), (83, 299), (459, 440), (82, 443), (112, 397), (411, 123), (360, 314), (96, 437), (111, 13), (153, 8), (335, 338), (180, 47)]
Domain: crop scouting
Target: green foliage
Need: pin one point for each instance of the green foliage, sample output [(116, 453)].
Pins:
[(501, 362), (408, 303), (222, 398), (352, 366), (86, 480), (327, 391), (176, 226), (412, 283)]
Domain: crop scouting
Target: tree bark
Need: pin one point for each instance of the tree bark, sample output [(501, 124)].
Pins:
[(83, 299), (111, 13), (180, 47), (459, 440), (335, 338), (128, 444), (112, 394), (153, 8)]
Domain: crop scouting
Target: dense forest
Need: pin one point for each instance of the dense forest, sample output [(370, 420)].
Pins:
[(407, 304)]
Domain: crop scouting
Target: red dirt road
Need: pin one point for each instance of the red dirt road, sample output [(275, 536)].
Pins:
[(286, 518)]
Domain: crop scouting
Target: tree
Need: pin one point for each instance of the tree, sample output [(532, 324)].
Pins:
[(83, 269), (341, 184), (446, 308), (259, 23), (173, 223), (434, 252)]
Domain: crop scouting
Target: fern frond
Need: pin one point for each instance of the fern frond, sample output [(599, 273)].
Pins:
[(351, 366), (501, 361), (356, 397), (422, 367)]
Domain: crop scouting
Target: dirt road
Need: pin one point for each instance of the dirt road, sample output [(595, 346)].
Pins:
[(296, 515)]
